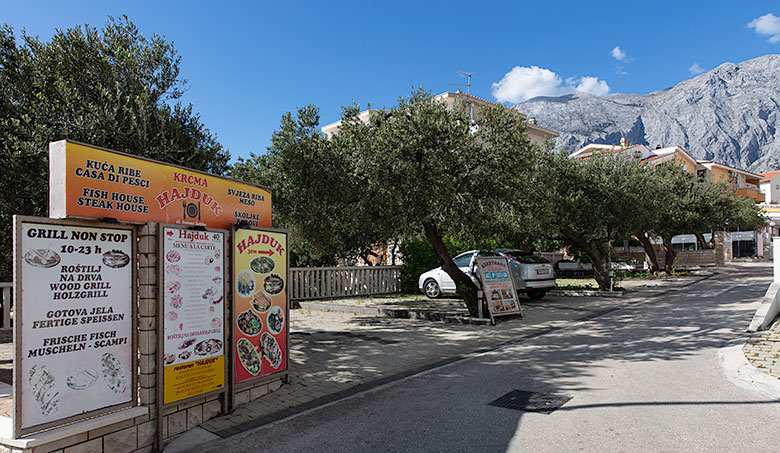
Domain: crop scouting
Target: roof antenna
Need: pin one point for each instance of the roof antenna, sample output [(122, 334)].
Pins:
[(468, 91), (467, 84)]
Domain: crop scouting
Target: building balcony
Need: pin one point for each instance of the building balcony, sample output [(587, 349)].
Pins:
[(750, 192)]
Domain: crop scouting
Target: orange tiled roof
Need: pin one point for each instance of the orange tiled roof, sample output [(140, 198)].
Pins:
[(657, 156), (769, 175)]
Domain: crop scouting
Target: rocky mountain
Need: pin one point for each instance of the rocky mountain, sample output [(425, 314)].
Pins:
[(729, 114)]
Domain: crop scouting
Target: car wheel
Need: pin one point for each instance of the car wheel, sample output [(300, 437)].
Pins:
[(431, 289), (535, 294)]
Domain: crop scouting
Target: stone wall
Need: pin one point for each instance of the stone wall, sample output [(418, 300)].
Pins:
[(705, 257)]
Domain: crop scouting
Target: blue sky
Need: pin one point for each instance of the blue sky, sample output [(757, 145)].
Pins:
[(247, 63)]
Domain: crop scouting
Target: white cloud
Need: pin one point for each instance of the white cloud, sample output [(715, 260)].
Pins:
[(618, 54), (592, 85), (695, 69), (523, 83), (767, 25)]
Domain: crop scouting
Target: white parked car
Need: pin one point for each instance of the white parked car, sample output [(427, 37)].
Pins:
[(533, 275)]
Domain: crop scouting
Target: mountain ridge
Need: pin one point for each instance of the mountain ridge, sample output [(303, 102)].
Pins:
[(729, 114)]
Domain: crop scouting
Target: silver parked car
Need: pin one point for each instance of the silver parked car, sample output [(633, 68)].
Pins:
[(533, 275)]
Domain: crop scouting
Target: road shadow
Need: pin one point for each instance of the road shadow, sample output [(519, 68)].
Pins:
[(671, 326)]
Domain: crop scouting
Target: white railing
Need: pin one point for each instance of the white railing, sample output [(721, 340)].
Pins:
[(747, 185), (328, 282), (5, 290)]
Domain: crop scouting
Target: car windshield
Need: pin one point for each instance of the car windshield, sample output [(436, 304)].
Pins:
[(526, 257), (463, 260)]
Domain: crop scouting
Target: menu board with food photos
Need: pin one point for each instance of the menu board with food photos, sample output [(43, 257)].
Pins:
[(498, 286), (260, 303), (192, 311), (73, 328)]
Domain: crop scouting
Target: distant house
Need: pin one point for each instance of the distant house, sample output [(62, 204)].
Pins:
[(770, 186), (643, 153), (745, 183), (536, 133)]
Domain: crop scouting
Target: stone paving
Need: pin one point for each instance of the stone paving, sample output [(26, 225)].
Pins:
[(763, 350), (337, 354)]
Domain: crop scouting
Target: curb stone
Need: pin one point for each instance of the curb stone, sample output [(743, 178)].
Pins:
[(576, 292)]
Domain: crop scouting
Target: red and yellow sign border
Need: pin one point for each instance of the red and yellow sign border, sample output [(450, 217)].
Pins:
[(238, 264)]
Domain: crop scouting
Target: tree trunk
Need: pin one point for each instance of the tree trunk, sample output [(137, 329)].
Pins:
[(465, 287), (598, 252), (702, 242), (671, 255), (650, 252)]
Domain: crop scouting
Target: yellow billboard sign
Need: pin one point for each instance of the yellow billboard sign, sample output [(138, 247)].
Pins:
[(87, 181)]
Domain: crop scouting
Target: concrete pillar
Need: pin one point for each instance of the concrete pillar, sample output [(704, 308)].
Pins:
[(720, 253), (776, 257)]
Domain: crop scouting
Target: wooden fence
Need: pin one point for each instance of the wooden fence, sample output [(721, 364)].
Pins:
[(327, 282), (6, 300)]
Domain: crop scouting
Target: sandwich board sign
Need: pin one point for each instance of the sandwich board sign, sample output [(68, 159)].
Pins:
[(498, 286)]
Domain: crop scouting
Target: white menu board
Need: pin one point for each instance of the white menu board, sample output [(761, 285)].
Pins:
[(75, 347), (192, 312)]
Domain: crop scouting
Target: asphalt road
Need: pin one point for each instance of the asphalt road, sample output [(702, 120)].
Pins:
[(643, 378)]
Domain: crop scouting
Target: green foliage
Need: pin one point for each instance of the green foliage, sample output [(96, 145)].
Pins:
[(681, 202), (595, 201), (418, 167), (418, 257), (316, 193), (111, 87)]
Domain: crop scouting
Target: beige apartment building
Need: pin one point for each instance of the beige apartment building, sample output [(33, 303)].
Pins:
[(536, 133)]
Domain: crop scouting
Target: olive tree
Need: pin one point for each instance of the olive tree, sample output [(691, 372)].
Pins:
[(684, 203), (418, 168), (112, 87), (316, 193), (597, 200), (431, 170)]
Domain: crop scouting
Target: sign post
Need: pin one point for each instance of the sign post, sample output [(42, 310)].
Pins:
[(74, 328)]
